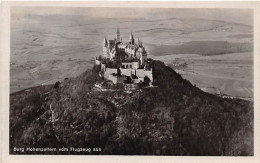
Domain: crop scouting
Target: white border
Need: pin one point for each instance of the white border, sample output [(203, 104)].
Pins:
[(5, 65)]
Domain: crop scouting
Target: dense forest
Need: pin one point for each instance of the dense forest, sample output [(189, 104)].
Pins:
[(174, 118)]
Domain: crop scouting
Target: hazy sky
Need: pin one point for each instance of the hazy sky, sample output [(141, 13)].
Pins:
[(244, 16)]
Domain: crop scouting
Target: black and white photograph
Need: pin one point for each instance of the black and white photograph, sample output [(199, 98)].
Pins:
[(131, 81)]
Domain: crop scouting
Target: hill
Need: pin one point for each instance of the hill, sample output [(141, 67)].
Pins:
[(175, 118)]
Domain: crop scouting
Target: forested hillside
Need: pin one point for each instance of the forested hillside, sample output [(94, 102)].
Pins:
[(175, 118)]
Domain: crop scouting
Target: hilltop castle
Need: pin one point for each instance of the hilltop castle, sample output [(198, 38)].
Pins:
[(124, 51), (124, 62)]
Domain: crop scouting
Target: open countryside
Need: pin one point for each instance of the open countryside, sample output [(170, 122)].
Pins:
[(214, 55)]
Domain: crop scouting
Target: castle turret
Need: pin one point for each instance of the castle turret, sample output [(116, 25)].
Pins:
[(117, 35), (140, 42), (132, 40), (105, 42), (105, 48)]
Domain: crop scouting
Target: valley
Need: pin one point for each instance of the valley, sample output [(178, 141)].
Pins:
[(45, 49)]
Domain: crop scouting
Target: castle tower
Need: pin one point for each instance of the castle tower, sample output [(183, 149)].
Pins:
[(105, 48), (132, 40), (117, 35), (105, 42), (140, 44)]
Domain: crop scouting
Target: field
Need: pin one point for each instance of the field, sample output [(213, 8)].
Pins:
[(47, 48), (226, 74)]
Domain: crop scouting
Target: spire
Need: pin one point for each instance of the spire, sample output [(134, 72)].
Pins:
[(131, 36), (117, 34), (132, 40), (139, 42), (118, 29), (105, 41)]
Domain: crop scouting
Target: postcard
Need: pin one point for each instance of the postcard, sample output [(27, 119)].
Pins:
[(130, 81)]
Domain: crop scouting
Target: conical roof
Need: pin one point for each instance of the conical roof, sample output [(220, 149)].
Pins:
[(105, 41), (131, 36), (118, 30)]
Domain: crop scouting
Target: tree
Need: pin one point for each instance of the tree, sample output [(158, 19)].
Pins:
[(146, 81)]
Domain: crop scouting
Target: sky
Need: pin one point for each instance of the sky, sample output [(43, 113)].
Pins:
[(243, 16)]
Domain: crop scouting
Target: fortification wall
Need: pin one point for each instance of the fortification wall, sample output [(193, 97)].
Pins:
[(140, 73), (133, 65), (109, 71), (112, 78)]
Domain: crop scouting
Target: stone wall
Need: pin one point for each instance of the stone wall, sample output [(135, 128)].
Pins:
[(113, 78), (133, 65), (109, 71), (140, 73)]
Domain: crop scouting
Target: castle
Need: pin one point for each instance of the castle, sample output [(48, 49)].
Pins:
[(124, 62)]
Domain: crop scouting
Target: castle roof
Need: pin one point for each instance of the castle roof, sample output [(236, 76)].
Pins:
[(141, 49), (111, 41), (122, 45), (132, 46)]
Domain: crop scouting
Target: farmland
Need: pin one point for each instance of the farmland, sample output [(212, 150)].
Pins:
[(229, 74), (47, 48)]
